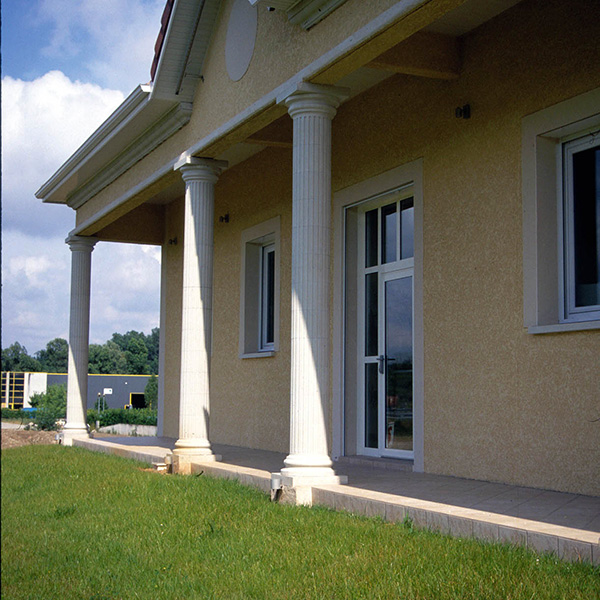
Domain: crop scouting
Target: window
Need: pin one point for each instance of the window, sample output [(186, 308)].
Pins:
[(259, 302), (581, 228), (561, 216), (267, 298)]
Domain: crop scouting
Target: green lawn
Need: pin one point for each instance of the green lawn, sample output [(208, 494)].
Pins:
[(76, 524)]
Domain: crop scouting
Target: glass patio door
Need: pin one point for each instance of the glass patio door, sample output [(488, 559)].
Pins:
[(385, 361)]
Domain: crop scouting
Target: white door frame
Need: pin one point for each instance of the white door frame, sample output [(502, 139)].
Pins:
[(410, 173)]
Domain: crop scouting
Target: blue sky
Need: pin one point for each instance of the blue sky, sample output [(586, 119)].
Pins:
[(66, 65)]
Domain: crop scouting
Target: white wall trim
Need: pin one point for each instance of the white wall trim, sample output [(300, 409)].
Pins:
[(249, 341), (542, 134)]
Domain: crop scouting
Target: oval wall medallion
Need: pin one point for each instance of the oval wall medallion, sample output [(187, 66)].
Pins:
[(241, 36)]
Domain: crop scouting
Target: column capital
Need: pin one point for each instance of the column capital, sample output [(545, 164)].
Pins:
[(200, 169), (79, 243), (309, 98)]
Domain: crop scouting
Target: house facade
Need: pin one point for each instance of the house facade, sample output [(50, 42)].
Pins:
[(380, 233)]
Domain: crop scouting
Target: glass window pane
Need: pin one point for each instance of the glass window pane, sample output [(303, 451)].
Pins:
[(586, 222), (267, 307), (371, 408), (399, 364), (389, 233), (371, 238), (407, 218), (270, 293), (371, 315)]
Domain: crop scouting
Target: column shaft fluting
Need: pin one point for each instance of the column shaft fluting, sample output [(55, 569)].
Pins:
[(311, 235), (200, 177), (79, 332)]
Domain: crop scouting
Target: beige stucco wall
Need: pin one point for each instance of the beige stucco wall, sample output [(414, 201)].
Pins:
[(500, 403), (250, 396), (173, 254)]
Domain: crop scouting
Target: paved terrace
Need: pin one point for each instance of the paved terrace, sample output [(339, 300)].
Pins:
[(546, 521)]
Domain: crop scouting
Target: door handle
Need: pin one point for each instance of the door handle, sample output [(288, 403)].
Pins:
[(382, 359)]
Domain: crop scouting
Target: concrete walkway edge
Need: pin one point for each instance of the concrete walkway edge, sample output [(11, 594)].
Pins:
[(566, 542)]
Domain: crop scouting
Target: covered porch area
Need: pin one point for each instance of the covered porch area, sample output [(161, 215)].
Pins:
[(567, 525)]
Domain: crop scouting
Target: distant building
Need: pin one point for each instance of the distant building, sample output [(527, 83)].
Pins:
[(118, 390)]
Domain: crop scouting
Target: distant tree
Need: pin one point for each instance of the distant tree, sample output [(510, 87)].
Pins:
[(55, 358), (15, 358), (137, 355), (152, 343), (151, 392), (107, 359)]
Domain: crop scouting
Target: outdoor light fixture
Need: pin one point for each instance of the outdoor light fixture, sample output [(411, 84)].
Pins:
[(463, 112)]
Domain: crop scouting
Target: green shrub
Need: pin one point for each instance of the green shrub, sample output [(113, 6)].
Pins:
[(51, 406), (114, 416)]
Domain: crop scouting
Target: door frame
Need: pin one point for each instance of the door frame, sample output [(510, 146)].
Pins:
[(386, 272), (410, 173)]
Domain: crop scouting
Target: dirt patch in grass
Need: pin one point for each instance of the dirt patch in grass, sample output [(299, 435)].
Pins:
[(13, 438)]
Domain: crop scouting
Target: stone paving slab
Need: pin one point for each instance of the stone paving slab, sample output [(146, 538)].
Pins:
[(567, 525)]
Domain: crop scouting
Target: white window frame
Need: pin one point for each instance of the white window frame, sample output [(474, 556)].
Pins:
[(572, 313), (399, 268), (257, 243), (543, 136)]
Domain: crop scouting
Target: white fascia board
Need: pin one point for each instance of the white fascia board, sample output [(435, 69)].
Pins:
[(162, 129), (129, 108)]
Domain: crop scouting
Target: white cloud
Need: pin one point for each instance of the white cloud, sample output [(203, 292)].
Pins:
[(36, 290), (43, 122), (125, 290), (113, 39)]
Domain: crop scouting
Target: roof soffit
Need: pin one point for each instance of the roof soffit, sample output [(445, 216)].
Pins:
[(184, 48)]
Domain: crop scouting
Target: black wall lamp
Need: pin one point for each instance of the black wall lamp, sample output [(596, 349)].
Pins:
[(463, 112)]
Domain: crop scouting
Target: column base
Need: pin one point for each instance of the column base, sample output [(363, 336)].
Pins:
[(294, 486), (66, 436), (182, 459)]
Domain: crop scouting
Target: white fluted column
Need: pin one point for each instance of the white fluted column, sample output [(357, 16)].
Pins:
[(312, 108), (200, 176), (79, 334)]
